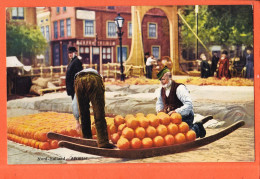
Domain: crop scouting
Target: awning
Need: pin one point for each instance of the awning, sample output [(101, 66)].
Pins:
[(13, 61)]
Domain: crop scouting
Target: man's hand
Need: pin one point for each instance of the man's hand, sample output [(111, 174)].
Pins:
[(78, 126), (169, 113)]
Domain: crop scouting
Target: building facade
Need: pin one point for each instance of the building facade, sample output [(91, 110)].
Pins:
[(44, 23), (93, 32), (21, 14)]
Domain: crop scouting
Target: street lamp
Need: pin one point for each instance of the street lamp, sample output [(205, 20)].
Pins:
[(119, 21)]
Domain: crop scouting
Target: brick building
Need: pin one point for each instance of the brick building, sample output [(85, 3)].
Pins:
[(44, 23), (22, 14), (92, 30)]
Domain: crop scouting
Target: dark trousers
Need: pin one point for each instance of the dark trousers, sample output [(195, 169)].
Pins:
[(193, 126), (89, 88), (149, 70), (188, 119), (250, 70)]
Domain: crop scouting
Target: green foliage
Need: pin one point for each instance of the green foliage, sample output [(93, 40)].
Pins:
[(25, 40), (218, 25), (188, 39)]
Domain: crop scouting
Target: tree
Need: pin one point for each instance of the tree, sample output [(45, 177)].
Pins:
[(234, 24), (218, 25), (24, 40)]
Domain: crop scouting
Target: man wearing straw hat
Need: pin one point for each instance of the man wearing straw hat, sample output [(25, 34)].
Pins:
[(174, 97)]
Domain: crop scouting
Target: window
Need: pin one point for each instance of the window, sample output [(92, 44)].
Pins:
[(89, 28), (61, 28), (17, 13), (124, 54), (64, 9), (55, 29), (85, 54), (86, 50), (56, 54), (41, 20), (152, 30), (81, 50), (57, 10), (129, 29), (156, 51), (111, 29), (65, 54), (47, 33), (46, 20), (106, 54), (42, 30), (68, 27), (95, 50), (111, 7)]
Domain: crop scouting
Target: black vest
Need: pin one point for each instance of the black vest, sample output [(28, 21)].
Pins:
[(171, 102)]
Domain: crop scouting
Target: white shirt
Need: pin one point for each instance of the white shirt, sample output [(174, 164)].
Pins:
[(149, 61), (87, 70), (183, 95)]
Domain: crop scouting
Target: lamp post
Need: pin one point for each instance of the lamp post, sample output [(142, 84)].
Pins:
[(119, 21)]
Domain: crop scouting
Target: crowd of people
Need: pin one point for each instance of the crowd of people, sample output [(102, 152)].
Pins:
[(220, 66), (217, 66)]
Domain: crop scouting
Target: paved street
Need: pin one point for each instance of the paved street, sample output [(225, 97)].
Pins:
[(226, 104)]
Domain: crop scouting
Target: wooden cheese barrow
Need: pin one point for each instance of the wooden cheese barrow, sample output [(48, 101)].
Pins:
[(90, 145)]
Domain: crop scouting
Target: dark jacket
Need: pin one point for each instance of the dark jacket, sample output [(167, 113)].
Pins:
[(215, 60), (249, 58), (74, 67), (205, 69)]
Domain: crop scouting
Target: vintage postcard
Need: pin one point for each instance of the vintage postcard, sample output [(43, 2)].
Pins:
[(168, 85)]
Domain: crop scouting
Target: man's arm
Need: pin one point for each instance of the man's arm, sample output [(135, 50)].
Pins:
[(78, 67), (184, 96), (159, 103)]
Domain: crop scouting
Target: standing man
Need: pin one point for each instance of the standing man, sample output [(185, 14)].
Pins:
[(249, 64), (204, 66), (215, 60), (74, 67), (89, 87), (146, 55), (174, 97), (149, 66)]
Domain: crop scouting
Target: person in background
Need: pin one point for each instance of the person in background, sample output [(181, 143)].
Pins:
[(205, 68), (89, 87), (223, 69), (174, 97), (74, 66), (149, 66), (249, 63), (215, 60), (146, 55)]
